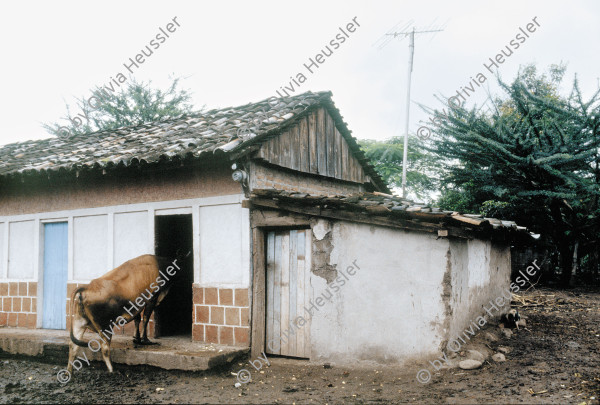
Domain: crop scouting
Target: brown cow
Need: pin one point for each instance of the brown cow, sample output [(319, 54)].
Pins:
[(128, 292)]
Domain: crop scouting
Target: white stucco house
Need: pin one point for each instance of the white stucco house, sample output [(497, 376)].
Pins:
[(278, 205)]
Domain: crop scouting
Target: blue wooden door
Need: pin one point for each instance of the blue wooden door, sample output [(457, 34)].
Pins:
[(54, 315)]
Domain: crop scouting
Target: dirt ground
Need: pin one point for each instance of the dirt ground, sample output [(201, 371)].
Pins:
[(554, 359)]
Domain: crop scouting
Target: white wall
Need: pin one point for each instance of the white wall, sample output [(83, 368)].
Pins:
[(2, 254), (479, 262), (90, 246), (21, 250), (224, 241), (480, 271), (392, 309), (103, 238), (411, 294), (130, 236)]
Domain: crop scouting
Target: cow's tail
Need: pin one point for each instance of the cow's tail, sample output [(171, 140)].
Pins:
[(77, 305)]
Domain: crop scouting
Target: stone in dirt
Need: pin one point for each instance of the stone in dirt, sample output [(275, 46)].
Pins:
[(507, 333), (470, 364), (521, 323), (498, 357), (475, 355), (491, 337), (503, 349)]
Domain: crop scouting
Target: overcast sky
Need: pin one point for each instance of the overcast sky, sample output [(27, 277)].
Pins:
[(231, 53)]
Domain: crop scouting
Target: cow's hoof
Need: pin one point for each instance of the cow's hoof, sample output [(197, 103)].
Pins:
[(137, 341)]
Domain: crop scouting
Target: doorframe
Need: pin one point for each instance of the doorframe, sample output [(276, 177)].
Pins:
[(263, 221)]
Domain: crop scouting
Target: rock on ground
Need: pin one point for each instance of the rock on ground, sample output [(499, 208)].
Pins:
[(507, 333), (503, 349), (475, 355), (498, 357), (470, 364)]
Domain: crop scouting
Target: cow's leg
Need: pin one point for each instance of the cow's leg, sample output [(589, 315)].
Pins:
[(79, 326), (136, 338), (145, 319), (106, 354)]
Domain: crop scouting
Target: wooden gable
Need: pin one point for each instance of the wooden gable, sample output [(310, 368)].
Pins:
[(314, 145)]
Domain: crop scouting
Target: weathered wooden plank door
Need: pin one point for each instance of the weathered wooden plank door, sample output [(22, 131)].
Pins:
[(54, 315), (288, 292)]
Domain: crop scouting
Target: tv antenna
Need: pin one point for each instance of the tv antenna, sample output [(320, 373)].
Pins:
[(403, 33)]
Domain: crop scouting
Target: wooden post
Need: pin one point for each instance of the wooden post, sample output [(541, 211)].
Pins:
[(257, 324)]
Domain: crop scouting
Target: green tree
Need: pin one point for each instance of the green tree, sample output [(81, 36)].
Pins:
[(535, 158), (135, 104), (422, 169)]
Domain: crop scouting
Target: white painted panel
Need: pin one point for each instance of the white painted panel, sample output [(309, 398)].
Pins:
[(21, 250), (2, 250), (221, 245), (90, 247), (130, 236), (246, 246)]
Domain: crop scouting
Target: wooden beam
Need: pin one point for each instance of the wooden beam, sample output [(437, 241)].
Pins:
[(312, 144), (321, 143), (266, 218), (257, 323)]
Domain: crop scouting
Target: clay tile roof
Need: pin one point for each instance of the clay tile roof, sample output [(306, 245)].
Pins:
[(389, 210), (219, 131)]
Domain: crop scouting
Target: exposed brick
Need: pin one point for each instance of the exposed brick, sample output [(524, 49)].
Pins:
[(3, 289), (16, 304), (198, 295), (23, 289), (211, 334), (202, 314), (26, 304), (3, 318), (232, 316), (211, 296), (32, 289), (217, 315), (245, 316), (225, 335), (7, 304), (241, 297), (198, 333), (21, 318), (33, 304), (241, 336), (13, 289), (30, 321), (12, 319), (225, 296)]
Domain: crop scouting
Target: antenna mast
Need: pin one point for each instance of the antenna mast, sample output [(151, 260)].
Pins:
[(411, 50)]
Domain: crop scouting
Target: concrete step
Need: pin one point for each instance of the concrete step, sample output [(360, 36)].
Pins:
[(173, 353)]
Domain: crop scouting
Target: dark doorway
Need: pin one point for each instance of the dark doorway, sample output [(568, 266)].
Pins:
[(174, 315)]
